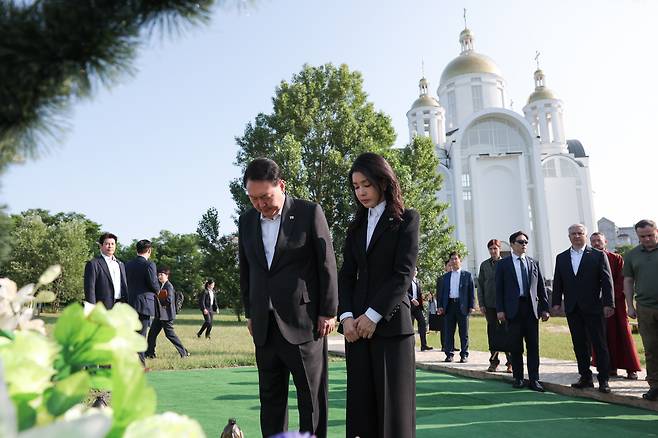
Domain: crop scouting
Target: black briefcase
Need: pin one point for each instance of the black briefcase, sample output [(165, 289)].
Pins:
[(506, 337)]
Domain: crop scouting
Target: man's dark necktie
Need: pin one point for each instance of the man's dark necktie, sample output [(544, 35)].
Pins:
[(524, 278)]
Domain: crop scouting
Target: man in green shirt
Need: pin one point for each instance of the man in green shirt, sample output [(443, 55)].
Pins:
[(641, 279)]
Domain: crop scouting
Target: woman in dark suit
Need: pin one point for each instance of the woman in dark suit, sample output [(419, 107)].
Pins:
[(208, 307), (379, 259)]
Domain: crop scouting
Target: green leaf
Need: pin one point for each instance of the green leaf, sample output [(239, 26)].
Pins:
[(67, 393), (26, 414), (45, 296)]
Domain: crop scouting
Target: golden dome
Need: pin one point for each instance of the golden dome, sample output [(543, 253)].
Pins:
[(469, 62), (541, 93), (425, 101)]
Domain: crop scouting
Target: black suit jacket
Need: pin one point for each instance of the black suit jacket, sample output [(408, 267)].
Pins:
[(167, 310), (204, 301), (143, 285), (590, 289), (508, 292), (301, 282), (98, 282), (419, 293), (380, 276)]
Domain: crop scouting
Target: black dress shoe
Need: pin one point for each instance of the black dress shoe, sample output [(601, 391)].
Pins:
[(448, 359), (535, 386), (150, 356), (426, 348), (518, 384), (604, 387), (582, 384), (651, 395), (464, 359)]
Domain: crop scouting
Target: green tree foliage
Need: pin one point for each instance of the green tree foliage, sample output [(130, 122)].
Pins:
[(182, 254), (416, 168), (92, 229), (623, 249), (5, 239), (55, 52), (221, 260), (38, 244), (321, 121)]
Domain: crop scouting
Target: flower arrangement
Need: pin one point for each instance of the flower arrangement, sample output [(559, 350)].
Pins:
[(44, 380)]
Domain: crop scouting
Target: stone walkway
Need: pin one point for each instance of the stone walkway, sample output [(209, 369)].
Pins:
[(555, 375)]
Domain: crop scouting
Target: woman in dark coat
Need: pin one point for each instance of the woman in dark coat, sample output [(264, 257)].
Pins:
[(380, 252), (208, 307)]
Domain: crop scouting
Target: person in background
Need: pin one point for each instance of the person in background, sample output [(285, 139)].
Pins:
[(208, 307), (164, 316), (487, 302), (105, 275), (621, 346), (415, 294)]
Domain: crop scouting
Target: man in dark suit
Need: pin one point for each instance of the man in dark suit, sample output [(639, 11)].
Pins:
[(143, 286), (415, 294), (582, 276), (289, 289), (456, 301), (105, 275), (165, 317), (521, 300)]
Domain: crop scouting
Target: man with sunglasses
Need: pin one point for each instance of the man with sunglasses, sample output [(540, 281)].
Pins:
[(582, 276), (521, 300)]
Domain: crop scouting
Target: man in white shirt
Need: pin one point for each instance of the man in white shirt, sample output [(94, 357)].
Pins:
[(105, 275), (457, 302), (583, 278)]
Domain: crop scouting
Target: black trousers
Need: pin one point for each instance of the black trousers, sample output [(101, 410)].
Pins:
[(587, 332), (417, 314), (276, 361), (168, 327), (146, 322), (492, 320), (528, 330), (207, 324), (453, 318), (381, 387)]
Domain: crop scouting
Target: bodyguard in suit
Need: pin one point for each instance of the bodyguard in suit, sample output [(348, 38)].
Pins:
[(105, 275), (521, 300), (457, 301), (379, 258), (583, 278), (165, 315), (289, 289), (143, 285), (415, 294)]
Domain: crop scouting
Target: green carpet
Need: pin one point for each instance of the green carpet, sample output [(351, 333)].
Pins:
[(446, 406)]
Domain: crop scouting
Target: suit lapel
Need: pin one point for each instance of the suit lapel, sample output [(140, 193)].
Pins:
[(106, 270), (384, 222), (258, 232), (285, 230), (587, 256)]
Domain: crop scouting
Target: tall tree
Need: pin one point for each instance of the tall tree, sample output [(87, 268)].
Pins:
[(5, 239), (321, 121), (416, 167), (92, 229), (182, 254), (221, 260), (54, 52)]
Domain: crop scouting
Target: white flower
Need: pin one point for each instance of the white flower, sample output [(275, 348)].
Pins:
[(50, 275), (167, 425)]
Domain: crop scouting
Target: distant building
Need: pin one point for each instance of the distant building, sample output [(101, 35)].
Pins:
[(503, 171), (617, 236)]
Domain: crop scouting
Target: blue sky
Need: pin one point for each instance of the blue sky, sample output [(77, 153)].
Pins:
[(156, 150)]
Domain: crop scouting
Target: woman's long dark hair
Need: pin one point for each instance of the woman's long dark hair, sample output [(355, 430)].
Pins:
[(380, 174), (208, 283)]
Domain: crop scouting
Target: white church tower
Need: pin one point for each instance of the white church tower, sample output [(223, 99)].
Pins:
[(544, 113), (426, 117)]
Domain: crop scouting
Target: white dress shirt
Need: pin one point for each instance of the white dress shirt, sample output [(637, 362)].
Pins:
[(517, 268), (270, 232), (374, 214), (576, 257), (115, 273), (454, 283), (414, 290)]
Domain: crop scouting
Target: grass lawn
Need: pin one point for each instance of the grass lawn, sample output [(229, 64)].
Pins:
[(230, 344), (446, 406)]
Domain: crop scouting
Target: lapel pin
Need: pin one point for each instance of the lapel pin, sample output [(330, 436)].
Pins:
[(292, 218)]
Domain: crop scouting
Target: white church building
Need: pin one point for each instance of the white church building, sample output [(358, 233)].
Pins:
[(503, 171)]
